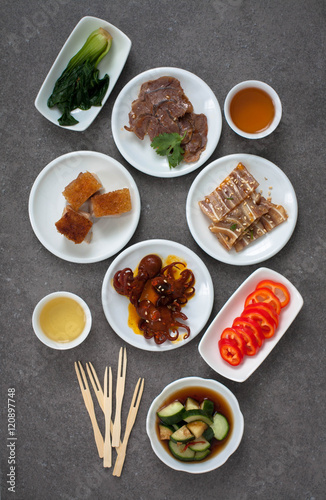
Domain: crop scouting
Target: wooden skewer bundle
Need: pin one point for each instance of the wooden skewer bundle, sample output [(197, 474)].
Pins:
[(105, 398)]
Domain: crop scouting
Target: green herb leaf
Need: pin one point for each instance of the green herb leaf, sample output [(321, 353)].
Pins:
[(230, 198), (79, 85), (169, 145), (233, 227)]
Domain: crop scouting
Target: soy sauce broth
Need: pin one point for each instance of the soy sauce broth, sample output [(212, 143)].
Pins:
[(199, 394), (252, 110)]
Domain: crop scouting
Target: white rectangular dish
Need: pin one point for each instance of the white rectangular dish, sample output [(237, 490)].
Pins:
[(208, 346), (112, 64)]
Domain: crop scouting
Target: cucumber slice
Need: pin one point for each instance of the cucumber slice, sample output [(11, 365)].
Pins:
[(197, 427), (181, 452), (200, 455), (182, 435), (165, 431), (208, 434), (220, 426), (191, 404), (201, 445), (172, 413), (207, 406), (191, 415)]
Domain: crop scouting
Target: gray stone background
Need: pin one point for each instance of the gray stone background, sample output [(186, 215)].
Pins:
[(282, 454)]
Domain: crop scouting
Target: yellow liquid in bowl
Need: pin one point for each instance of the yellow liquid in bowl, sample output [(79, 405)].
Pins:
[(62, 319)]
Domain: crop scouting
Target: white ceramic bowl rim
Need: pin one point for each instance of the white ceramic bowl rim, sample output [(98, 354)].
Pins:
[(270, 91), (217, 460), (46, 340)]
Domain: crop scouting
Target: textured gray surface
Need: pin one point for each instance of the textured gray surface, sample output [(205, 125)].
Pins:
[(282, 455)]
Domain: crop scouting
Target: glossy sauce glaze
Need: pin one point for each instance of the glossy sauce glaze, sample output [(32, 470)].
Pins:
[(252, 110), (150, 294), (62, 319), (199, 394)]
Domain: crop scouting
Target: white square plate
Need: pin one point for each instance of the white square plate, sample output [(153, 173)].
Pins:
[(208, 347), (112, 64)]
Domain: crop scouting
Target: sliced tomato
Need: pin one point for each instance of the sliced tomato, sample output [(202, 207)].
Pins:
[(280, 290), (250, 341), (231, 333), (266, 296), (266, 322), (250, 325), (230, 351), (267, 309)]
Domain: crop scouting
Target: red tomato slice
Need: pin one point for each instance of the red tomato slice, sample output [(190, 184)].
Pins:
[(267, 309), (280, 290), (250, 341), (230, 351), (266, 296), (251, 326), (230, 333), (266, 322)]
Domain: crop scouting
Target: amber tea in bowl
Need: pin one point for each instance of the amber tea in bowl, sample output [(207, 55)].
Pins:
[(253, 109)]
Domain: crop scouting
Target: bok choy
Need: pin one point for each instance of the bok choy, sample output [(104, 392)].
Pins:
[(79, 86)]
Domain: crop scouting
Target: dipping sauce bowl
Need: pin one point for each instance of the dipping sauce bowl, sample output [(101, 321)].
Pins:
[(62, 320), (253, 109)]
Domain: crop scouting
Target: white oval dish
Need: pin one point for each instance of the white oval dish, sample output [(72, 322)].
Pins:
[(208, 346), (115, 306), (60, 345), (273, 95), (271, 180), (112, 64), (46, 204), (210, 463), (138, 152)]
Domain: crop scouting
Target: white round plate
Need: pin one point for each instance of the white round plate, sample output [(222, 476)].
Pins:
[(116, 306), (46, 204), (139, 153), (272, 181)]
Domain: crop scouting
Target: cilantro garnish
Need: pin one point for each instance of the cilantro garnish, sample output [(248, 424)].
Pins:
[(233, 227), (169, 145)]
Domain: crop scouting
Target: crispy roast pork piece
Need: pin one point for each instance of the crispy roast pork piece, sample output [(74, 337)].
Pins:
[(111, 204), (229, 194), (80, 189), (235, 223), (275, 216), (76, 226)]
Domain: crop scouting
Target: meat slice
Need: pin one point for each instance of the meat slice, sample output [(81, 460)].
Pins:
[(162, 107), (275, 216), (235, 223), (231, 192)]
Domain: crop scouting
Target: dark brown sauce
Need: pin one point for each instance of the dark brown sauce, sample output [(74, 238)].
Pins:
[(199, 394)]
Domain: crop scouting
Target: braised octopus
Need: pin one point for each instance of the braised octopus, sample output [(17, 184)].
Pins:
[(159, 319)]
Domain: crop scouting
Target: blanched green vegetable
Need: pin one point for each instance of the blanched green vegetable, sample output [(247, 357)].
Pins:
[(79, 85)]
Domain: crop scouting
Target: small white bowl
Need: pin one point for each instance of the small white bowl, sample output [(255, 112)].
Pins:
[(276, 101), (211, 463), (61, 345)]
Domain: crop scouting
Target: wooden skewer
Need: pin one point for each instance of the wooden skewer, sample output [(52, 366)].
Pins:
[(107, 460), (86, 393), (96, 384), (129, 425), (121, 379)]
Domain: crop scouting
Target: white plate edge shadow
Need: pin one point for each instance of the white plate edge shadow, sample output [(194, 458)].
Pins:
[(214, 129), (160, 247), (242, 258), (51, 166), (250, 364)]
